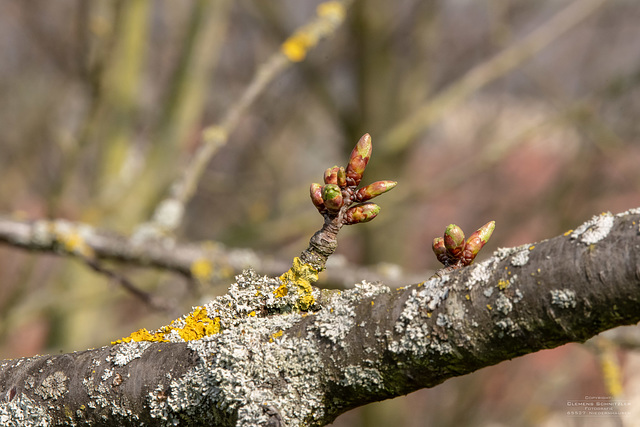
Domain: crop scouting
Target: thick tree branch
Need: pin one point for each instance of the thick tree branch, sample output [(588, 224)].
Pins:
[(263, 363)]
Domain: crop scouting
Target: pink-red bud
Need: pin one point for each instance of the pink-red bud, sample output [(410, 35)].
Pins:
[(440, 250), (331, 175), (361, 213), (315, 191), (454, 241), (358, 160)]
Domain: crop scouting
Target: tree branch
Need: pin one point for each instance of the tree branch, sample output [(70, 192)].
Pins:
[(249, 358), (197, 260)]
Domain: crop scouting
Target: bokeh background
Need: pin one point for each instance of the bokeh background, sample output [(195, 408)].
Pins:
[(103, 103)]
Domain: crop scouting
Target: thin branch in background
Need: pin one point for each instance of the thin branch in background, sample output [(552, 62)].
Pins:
[(605, 350), (78, 240), (203, 261), (169, 212), (150, 300), (399, 137)]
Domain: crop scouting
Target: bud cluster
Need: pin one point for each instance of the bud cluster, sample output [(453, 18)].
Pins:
[(453, 251), (340, 191)]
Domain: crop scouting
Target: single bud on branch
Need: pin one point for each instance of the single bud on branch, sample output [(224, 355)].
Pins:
[(454, 240), (332, 197), (331, 175), (374, 190), (358, 160), (440, 250), (342, 177), (361, 213), (477, 240), (316, 196)]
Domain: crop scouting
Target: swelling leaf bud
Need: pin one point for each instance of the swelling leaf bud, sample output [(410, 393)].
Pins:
[(440, 250), (476, 241), (358, 160), (342, 178), (332, 197), (315, 191), (374, 190), (454, 241), (361, 213), (331, 175)]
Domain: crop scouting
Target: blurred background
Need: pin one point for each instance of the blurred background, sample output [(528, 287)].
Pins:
[(521, 112)]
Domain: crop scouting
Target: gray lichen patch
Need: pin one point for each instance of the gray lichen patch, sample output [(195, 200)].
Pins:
[(98, 387), (507, 327), (422, 300), (241, 370), (336, 331), (564, 298), (416, 337), (518, 296), (443, 320), (634, 211), (594, 230), (337, 318), (53, 386), (480, 273), (503, 304), (362, 377), (126, 352), (21, 411), (520, 258)]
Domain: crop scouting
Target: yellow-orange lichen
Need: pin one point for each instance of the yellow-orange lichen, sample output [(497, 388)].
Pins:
[(197, 324), (503, 284), (302, 276), (276, 335)]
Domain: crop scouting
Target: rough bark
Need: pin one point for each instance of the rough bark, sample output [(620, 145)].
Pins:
[(271, 365)]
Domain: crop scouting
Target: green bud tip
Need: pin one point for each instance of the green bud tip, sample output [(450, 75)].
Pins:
[(363, 147), (486, 231), (454, 240), (342, 177), (332, 197)]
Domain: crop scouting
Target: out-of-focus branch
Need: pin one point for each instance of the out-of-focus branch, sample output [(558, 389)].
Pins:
[(77, 240), (168, 214), (199, 53), (147, 298), (204, 261), (481, 75)]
